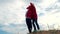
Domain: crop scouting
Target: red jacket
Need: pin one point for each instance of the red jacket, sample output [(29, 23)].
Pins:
[(31, 13)]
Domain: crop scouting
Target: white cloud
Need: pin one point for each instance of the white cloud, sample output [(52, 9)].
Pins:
[(15, 28), (14, 12), (46, 3)]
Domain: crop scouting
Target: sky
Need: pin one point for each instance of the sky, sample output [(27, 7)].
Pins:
[(12, 15)]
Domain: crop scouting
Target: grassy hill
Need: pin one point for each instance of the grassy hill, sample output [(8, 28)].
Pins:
[(47, 32)]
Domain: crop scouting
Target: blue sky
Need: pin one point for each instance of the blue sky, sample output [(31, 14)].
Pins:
[(12, 15)]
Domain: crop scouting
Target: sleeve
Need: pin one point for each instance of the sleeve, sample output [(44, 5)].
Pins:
[(28, 7)]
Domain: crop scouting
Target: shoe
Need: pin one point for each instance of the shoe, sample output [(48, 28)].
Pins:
[(35, 31)]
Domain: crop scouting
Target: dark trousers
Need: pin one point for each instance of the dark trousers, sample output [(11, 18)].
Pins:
[(35, 24), (29, 24)]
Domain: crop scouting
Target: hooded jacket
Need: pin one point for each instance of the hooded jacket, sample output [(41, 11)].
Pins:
[(31, 13)]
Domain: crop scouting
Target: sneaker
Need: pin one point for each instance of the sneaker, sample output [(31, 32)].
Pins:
[(35, 31)]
